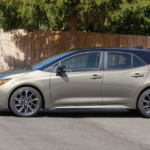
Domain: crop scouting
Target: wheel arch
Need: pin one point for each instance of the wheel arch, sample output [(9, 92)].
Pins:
[(27, 85)]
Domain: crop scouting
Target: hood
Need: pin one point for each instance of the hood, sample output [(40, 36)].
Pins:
[(14, 73)]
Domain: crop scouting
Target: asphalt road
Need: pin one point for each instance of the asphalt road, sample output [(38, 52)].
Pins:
[(75, 130)]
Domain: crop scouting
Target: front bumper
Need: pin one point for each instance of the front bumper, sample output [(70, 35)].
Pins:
[(5, 91)]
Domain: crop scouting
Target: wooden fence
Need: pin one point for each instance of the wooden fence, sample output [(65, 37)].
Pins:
[(19, 49)]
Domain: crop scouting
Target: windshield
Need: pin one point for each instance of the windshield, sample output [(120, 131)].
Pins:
[(49, 61)]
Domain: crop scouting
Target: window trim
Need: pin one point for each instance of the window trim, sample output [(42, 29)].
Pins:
[(106, 60), (101, 62)]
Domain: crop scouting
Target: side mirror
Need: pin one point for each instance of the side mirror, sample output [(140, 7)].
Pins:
[(61, 69)]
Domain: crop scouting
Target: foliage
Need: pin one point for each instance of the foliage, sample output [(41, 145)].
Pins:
[(105, 16), (117, 16)]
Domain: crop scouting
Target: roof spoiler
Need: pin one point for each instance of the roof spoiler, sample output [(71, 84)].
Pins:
[(139, 47)]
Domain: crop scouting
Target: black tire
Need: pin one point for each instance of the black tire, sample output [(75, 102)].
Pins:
[(28, 108), (141, 104)]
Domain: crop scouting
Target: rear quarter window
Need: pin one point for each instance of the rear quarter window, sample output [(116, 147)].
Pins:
[(137, 62)]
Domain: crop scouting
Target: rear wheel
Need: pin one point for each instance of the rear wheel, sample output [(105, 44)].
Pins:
[(144, 103), (25, 102)]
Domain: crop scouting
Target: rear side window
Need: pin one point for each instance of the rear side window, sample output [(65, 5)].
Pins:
[(118, 61), (137, 62)]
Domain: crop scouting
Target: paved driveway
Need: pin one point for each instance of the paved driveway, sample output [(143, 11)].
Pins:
[(75, 130)]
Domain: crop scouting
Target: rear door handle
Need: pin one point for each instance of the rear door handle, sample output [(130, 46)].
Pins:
[(96, 77), (138, 75)]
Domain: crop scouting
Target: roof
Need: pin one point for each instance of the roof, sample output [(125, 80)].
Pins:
[(141, 53)]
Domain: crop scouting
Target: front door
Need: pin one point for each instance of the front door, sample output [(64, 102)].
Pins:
[(82, 82), (125, 74)]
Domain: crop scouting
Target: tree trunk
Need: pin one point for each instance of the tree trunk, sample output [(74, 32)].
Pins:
[(73, 37)]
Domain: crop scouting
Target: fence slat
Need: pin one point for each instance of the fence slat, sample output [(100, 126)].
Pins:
[(115, 40), (121, 40)]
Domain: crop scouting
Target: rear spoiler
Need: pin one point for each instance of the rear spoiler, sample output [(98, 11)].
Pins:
[(139, 47)]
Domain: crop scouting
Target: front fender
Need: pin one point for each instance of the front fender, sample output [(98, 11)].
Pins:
[(38, 79)]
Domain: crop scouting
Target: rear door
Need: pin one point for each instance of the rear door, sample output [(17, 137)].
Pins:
[(81, 84), (124, 74)]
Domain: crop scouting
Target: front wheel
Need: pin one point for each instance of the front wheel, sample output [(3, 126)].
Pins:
[(25, 102), (144, 104)]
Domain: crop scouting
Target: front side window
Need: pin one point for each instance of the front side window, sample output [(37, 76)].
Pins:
[(118, 61), (55, 67), (82, 62), (137, 62)]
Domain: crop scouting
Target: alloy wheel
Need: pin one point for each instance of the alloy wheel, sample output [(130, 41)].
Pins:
[(26, 102), (146, 103)]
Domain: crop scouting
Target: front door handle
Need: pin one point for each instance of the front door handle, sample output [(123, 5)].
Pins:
[(96, 77), (138, 75)]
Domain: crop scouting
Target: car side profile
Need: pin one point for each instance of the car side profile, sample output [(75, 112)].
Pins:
[(90, 78)]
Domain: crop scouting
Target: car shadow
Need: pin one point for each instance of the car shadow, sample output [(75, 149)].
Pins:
[(88, 113)]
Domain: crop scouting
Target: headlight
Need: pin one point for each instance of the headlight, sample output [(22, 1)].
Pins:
[(3, 81)]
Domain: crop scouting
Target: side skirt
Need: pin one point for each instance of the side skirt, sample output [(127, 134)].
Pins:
[(94, 107)]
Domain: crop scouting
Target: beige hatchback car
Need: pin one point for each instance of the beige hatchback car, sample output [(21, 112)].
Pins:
[(91, 78)]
